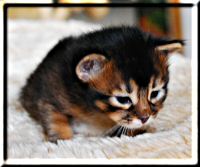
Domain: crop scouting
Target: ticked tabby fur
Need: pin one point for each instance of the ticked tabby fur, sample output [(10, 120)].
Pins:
[(114, 77)]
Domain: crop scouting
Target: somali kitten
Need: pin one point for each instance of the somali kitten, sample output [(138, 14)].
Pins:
[(114, 77)]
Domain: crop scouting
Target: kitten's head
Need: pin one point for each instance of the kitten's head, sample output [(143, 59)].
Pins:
[(131, 77)]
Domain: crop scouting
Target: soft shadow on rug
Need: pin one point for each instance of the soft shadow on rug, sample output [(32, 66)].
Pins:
[(28, 44)]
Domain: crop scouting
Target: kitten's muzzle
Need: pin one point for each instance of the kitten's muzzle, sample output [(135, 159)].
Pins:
[(143, 114)]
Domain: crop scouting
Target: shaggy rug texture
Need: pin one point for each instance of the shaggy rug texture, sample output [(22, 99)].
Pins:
[(28, 44)]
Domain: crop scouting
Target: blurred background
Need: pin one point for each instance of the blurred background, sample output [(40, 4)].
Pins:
[(171, 22)]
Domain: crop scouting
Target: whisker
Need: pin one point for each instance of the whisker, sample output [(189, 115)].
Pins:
[(123, 130), (119, 131), (112, 130), (126, 131)]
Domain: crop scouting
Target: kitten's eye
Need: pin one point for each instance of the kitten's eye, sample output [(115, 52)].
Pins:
[(123, 100), (154, 94), (157, 95)]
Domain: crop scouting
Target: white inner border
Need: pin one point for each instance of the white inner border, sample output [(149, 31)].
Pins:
[(194, 64), (193, 160)]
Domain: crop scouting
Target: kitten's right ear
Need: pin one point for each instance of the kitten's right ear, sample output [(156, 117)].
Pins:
[(90, 66), (169, 46)]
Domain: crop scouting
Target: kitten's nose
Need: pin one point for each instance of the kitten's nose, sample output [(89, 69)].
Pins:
[(144, 119)]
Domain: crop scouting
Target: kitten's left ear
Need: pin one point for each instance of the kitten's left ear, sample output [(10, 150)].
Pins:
[(90, 66), (170, 46)]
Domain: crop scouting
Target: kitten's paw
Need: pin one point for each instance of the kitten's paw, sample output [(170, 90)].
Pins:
[(52, 138), (151, 129), (55, 136), (58, 128)]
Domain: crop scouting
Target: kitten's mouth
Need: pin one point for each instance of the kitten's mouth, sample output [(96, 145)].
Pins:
[(130, 121), (130, 127), (135, 123)]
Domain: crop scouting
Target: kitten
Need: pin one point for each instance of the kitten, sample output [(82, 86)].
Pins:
[(115, 79)]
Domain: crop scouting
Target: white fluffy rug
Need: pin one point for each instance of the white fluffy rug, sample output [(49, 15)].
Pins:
[(28, 43)]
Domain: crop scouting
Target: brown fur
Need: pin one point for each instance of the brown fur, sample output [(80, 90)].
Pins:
[(143, 107), (104, 82)]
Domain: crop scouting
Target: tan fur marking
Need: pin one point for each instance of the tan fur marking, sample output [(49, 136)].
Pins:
[(133, 94), (101, 105), (159, 84), (117, 115), (60, 126), (150, 87), (120, 92)]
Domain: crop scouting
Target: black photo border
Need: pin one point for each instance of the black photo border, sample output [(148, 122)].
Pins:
[(5, 44)]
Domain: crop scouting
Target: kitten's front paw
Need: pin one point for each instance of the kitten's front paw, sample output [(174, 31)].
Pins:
[(62, 134), (54, 137)]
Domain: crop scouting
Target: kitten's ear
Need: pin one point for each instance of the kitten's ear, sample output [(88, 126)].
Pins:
[(169, 46), (90, 66)]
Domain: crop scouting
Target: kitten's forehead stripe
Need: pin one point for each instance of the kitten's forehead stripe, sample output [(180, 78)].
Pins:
[(134, 93), (153, 83), (142, 107), (133, 85), (158, 84)]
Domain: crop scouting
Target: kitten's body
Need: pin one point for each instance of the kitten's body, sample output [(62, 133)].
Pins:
[(105, 78)]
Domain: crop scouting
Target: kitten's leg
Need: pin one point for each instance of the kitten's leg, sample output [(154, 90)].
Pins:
[(55, 124), (58, 128)]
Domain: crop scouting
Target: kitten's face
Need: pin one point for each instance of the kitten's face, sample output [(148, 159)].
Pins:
[(132, 92)]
